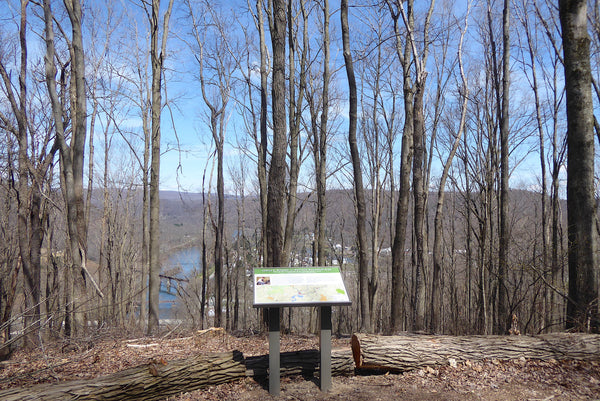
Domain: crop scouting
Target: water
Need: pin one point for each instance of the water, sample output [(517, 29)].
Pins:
[(184, 262)]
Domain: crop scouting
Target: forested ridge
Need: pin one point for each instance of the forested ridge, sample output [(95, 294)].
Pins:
[(441, 154)]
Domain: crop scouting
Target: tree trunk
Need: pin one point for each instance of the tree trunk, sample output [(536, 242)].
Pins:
[(405, 55), (533, 54), (407, 352), (582, 308), (145, 225), (320, 174), (438, 252), (67, 153), (304, 363), (157, 55), (359, 191), (154, 381), (29, 224), (154, 233), (263, 142), (420, 190), (277, 170), (503, 322), (295, 118)]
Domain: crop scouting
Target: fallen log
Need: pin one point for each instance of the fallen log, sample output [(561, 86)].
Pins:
[(304, 363), (154, 381), (407, 352)]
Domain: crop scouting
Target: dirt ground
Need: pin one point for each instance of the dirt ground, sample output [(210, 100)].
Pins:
[(489, 381), (105, 353)]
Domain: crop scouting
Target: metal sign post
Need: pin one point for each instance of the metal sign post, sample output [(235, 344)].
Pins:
[(314, 286), (274, 351), (325, 348)]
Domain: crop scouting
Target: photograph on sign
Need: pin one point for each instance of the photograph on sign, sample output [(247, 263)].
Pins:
[(299, 286)]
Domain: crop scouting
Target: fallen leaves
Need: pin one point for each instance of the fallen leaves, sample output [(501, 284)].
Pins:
[(108, 354), (493, 379)]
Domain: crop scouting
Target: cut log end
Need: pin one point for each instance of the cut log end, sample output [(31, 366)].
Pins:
[(355, 343)]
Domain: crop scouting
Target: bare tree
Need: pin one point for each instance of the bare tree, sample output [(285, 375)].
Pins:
[(524, 14), (33, 158), (295, 118), (261, 140), (277, 169), (322, 144), (361, 237), (582, 308), (157, 55), (437, 290), (503, 320), (71, 155), (413, 150), (216, 69)]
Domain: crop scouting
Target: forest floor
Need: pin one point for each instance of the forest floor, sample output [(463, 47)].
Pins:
[(491, 380)]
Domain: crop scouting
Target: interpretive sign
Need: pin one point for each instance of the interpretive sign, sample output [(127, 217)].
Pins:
[(301, 286)]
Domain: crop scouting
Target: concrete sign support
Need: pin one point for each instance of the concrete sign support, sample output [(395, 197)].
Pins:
[(306, 286)]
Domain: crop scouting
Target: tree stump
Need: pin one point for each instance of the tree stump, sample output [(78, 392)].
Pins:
[(407, 352), (154, 381)]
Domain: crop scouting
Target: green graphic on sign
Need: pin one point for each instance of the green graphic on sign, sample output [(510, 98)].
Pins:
[(299, 286)]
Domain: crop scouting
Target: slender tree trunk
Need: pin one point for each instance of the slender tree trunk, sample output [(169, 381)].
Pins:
[(557, 161), (144, 305), (262, 151), (420, 206), (544, 197), (154, 238), (157, 55), (29, 236), (438, 252), (220, 228), (359, 194), (322, 143), (204, 258), (469, 234), (503, 322)]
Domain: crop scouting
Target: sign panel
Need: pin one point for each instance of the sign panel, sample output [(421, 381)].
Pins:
[(300, 286)]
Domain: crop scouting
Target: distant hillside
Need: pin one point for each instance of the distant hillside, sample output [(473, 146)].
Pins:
[(181, 215)]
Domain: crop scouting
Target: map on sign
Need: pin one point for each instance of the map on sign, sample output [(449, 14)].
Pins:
[(299, 286)]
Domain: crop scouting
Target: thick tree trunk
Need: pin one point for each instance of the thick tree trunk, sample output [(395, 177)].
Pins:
[(158, 379), (277, 170), (405, 55), (582, 308), (154, 381), (304, 363), (407, 352), (295, 117), (67, 155)]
